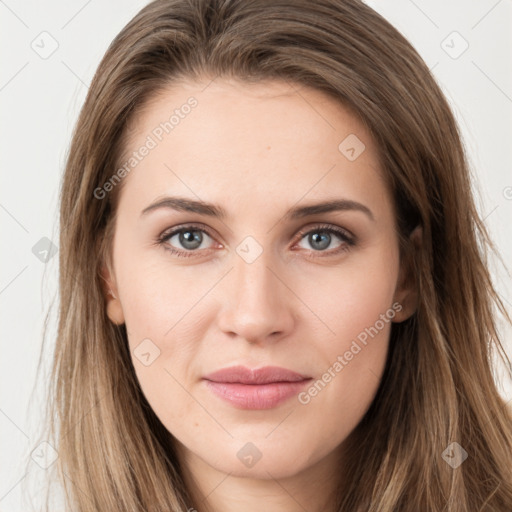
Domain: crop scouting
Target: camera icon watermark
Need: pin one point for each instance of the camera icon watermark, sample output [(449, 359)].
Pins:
[(44, 455), (249, 249), (44, 250), (146, 352), (249, 455), (351, 147), (454, 45), (454, 455), (45, 45)]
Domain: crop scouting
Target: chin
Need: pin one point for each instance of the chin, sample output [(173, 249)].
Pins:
[(263, 459)]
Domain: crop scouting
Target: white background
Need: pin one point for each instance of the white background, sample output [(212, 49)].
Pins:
[(40, 100)]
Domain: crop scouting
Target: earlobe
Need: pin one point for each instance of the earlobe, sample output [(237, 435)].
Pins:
[(115, 311), (113, 304), (406, 293)]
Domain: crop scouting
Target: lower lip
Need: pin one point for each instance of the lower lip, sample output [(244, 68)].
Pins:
[(256, 396)]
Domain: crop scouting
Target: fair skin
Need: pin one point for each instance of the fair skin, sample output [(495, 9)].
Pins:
[(257, 151)]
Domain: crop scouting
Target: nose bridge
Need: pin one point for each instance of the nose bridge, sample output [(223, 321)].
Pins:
[(256, 304)]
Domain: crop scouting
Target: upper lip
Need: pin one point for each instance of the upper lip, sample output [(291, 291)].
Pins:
[(265, 375)]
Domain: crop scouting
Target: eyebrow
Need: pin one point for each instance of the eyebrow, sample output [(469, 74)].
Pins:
[(212, 210)]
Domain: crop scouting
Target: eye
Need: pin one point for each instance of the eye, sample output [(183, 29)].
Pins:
[(184, 241), (322, 237)]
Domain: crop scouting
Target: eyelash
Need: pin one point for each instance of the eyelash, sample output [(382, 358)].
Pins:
[(348, 240)]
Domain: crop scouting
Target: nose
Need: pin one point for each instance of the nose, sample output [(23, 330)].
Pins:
[(258, 306)]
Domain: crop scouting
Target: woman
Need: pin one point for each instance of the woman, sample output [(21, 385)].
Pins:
[(273, 281)]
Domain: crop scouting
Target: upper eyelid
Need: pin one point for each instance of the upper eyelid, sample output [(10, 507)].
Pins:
[(193, 227), (327, 227)]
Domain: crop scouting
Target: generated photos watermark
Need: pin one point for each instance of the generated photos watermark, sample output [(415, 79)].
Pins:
[(152, 140), (344, 360)]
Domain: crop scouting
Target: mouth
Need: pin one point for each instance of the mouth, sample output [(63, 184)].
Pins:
[(262, 388)]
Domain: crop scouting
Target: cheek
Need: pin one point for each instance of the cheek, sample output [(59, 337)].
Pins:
[(352, 296), (161, 304), (160, 300), (356, 305)]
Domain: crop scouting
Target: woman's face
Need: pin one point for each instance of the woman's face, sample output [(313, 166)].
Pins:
[(289, 258)]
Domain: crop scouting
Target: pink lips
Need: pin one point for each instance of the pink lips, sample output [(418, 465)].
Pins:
[(262, 388)]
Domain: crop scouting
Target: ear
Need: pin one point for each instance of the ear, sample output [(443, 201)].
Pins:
[(406, 292), (109, 287)]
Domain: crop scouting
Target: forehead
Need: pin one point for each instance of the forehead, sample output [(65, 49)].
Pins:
[(249, 145)]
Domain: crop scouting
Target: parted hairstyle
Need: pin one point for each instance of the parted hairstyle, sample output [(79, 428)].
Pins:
[(439, 384)]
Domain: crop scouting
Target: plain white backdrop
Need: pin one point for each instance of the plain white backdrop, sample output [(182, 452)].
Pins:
[(50, 51)]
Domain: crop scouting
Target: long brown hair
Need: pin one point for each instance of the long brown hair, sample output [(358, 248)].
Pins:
[(438, 386)]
